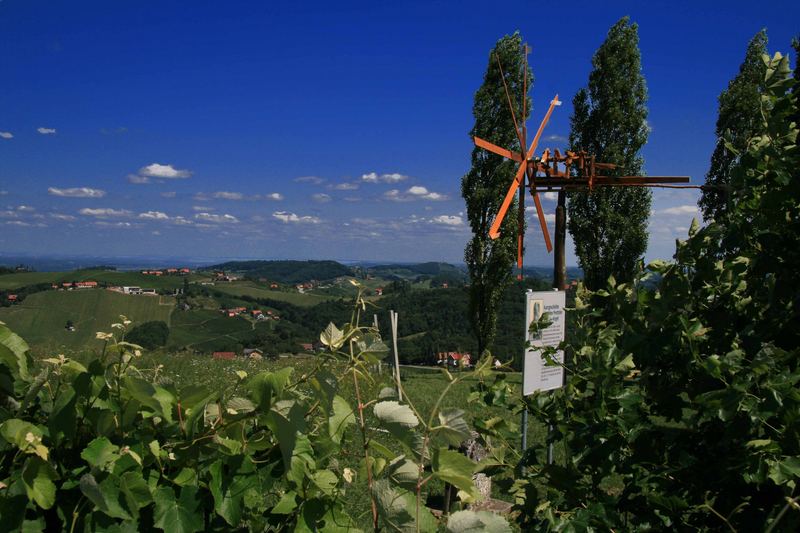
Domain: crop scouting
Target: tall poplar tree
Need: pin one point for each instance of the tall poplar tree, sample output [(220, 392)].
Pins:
[(609, 224), (489, 262), (739, 118)]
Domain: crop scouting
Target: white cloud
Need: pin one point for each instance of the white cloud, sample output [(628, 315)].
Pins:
[(679, 210), (181, 221), (552, 196), (416, 192), (138, 180), (154, 215), (556, 138), (6, 135), (346, 186), (46, 131), (3, 193), (217, 219), (287, 218), (321, 197), (309, 179), (76, 192), (448, 220), (228, 195), (424, 193), (8, 214), (26, 208), (202, 208), (374, 177), (169, 194), (274, 196), (157, 170), (103, 212), (60, 216), (104, 224)]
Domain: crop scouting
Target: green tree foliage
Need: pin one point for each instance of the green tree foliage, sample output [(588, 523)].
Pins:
[(609, 225), (150, 335), (484, 186), (738, 120), (681, 405)]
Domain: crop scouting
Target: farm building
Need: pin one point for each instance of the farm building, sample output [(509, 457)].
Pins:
[(223, 355)]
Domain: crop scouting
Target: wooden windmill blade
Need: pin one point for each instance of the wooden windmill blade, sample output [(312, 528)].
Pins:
[(494, 231)]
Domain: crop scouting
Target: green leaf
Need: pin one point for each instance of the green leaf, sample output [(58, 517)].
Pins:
[(403, 472), (394, 413), (452, 426), (286, 504), (332, 337), (342, 417), (182, 515), (264, 385), (471, 521), (15, 431), (454, 468), (157, 398), (325, 480), (135, 491), (398, 509), (14, 353), (38, 477), (100, 452), (241, 405)]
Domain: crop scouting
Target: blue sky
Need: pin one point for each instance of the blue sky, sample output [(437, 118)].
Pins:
[(330, 130)]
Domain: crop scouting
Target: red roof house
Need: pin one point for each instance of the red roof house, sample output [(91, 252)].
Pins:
[(224, 355)]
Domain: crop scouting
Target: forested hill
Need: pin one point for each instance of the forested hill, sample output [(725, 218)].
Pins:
[(431, 269), (286, 271)]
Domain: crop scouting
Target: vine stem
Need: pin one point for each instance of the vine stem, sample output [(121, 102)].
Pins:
[(366, 449), (425, 443)]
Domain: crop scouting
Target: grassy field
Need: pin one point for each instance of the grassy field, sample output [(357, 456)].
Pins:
[(192, 328), (41, 318), (247, 288)]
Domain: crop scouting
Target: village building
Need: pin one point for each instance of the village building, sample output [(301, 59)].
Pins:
[(224, 355)]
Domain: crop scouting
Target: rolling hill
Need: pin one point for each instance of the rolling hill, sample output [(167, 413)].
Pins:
[(286, 271), (42, 317)]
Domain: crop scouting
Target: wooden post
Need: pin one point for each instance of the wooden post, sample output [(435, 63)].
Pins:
[(393, 319), (559, 255), (375, 324)]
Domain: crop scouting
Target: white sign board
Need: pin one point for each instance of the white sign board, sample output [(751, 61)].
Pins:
[(536, 375)]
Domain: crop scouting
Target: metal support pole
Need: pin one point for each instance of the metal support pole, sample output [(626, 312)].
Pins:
[(549, 445), (393, 319), (524, 430)]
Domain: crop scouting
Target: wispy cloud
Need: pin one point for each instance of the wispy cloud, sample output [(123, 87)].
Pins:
[(76, 192), (448, 220), (310, 179), (6, 135), (138, 180), (374, 177), (321, 197), (61, 216), (202, 208), (679, 210), (292, 218), (104, 212), (157, 170), (556, 138), (227, 195), (217, 219), (276, 196), (346, 186), (46, 131)]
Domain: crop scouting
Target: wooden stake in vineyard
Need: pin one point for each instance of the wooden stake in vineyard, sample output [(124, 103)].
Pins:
[(554, 171)]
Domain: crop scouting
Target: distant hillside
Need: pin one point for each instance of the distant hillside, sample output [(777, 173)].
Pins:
[(413, 271), (42, 317), (286, 271)]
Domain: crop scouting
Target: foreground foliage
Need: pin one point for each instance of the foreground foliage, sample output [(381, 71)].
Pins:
[(682, 405), (108, 446)]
